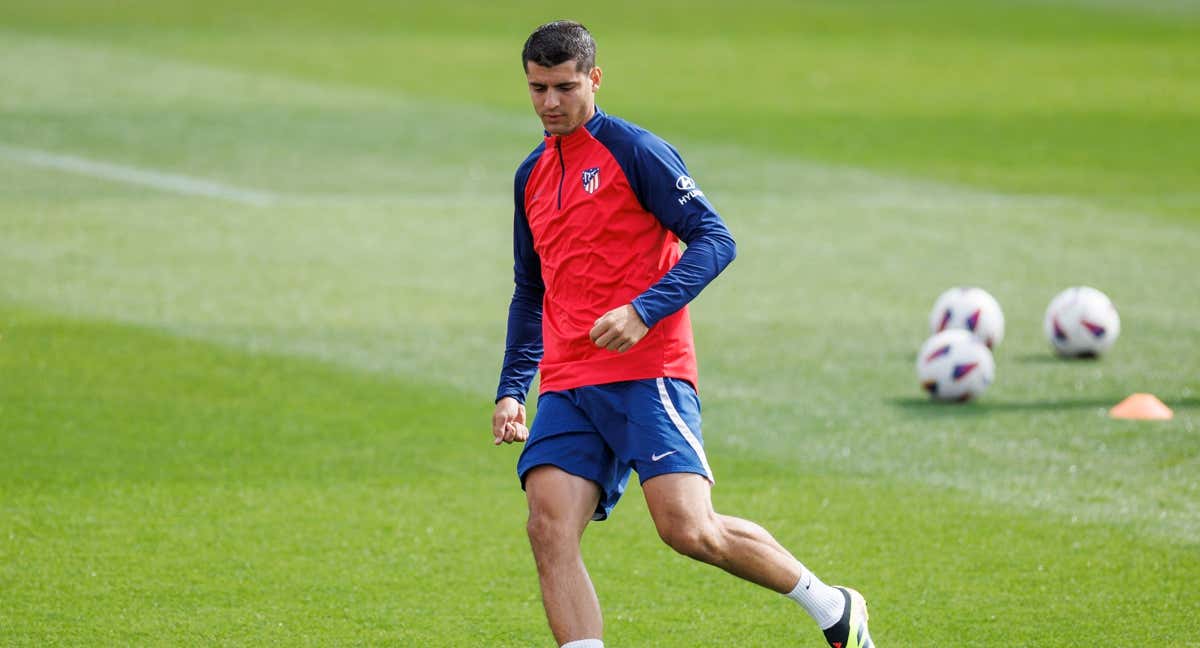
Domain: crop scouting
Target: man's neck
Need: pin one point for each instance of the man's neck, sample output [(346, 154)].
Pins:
[(591, 114)]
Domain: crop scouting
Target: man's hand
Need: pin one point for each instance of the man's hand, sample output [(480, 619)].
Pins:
[(508, 422), (619, 329)]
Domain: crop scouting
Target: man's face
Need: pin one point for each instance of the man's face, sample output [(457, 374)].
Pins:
[(563, 97)]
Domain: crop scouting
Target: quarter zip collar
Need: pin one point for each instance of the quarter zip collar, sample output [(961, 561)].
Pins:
[(557, 143)]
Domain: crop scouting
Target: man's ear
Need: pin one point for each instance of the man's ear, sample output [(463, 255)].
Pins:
[(595, 76)]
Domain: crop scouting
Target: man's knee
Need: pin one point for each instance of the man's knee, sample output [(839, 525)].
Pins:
[(541, 528), (549, 532), (699, 539), (560, 507)]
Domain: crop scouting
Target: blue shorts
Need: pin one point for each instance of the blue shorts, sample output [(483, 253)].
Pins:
[(602, 432)]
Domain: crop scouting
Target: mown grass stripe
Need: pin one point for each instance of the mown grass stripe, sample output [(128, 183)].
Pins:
[(156, 179)]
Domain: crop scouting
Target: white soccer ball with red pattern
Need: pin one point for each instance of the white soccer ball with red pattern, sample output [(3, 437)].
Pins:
[(971, 309), (954, 366), (1081, 322)]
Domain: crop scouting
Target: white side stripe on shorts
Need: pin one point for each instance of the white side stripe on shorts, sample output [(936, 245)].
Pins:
[(683, 428)]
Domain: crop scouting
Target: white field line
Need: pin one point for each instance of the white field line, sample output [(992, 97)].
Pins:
[(161, 180)]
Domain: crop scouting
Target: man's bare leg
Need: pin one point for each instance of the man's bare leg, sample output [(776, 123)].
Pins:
[(560, 507), (681, 505)]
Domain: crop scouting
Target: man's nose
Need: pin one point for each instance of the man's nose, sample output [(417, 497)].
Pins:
[(551, 99)]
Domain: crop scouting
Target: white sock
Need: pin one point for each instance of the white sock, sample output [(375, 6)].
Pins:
[(823, 603), (584, 643)]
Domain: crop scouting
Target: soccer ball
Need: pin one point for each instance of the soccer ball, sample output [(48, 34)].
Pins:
[(971, 309), (1081, 322), (954, 366)]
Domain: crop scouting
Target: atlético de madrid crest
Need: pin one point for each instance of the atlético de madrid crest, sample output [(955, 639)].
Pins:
[(591, 179)]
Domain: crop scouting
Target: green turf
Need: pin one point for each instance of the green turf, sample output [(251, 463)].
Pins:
[(1099, 99), (222, 423), (164, 492)]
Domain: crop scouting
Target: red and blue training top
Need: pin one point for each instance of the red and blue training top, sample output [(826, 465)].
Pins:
[(599, 216)]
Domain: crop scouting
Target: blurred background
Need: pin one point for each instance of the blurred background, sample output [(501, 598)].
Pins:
[(255, 261)]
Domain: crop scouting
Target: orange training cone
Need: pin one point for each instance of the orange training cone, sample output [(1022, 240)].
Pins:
[(1142, 407)]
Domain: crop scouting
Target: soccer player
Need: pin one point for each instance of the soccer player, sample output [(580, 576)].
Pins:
[(600, 306)]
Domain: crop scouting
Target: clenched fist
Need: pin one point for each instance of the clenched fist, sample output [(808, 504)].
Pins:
[(619, 329), (508, 422)]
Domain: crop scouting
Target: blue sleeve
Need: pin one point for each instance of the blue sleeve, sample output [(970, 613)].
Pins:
[(523, 343), (662, 184)]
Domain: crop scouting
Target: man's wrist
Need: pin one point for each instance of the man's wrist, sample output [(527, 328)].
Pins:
[(520, 398), (641, 313)]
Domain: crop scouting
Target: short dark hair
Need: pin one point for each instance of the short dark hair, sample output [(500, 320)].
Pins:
[(558, 42)]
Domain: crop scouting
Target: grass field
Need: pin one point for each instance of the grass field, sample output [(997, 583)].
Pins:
[(254, 267)]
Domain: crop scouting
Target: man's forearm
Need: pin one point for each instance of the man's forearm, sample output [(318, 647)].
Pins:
[(523, 344), (701, 262)]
